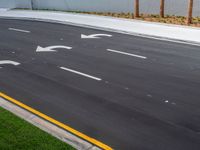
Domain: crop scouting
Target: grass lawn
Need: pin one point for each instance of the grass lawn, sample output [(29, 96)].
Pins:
[(17, 134)]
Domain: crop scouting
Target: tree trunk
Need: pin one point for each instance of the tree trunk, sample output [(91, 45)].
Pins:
[(190, 10), (137, 9), (162, 8)]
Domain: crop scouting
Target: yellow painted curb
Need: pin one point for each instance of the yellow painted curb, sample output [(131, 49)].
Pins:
[(75, 132)]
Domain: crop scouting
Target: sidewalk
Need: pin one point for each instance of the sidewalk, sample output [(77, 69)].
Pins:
[(136, 27)]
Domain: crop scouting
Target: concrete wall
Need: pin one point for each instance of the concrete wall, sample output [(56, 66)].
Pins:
[(176, 7), (22, 3), (15, 4), (7, 4)]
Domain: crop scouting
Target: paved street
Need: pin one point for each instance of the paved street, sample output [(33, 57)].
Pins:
[(131, 93)]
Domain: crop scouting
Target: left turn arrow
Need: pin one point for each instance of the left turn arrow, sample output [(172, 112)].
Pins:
[(51, 48), (9, 62)]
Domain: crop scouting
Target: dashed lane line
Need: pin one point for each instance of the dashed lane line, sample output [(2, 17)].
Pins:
[(80, 73), (19, 30), (125, 53)]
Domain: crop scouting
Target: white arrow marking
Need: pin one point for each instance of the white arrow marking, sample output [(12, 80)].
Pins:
[(94, 36), (51, 48), (2, 62)]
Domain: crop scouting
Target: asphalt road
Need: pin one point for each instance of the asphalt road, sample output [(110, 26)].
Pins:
[(131, 93)]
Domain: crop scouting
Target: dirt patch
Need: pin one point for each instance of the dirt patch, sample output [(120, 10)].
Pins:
[(179, 20)]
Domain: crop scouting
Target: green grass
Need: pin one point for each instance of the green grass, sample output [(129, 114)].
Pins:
[(17, 134)]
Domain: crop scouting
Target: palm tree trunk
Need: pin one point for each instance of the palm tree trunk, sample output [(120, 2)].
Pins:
[(190, 10), (162, 8), (137, 9)]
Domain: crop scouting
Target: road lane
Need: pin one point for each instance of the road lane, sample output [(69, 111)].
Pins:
[(128, 110)]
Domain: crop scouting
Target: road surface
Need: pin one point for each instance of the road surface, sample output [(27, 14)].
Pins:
[(131, 93)]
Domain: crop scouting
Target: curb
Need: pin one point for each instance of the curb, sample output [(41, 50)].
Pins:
[(48, 127)]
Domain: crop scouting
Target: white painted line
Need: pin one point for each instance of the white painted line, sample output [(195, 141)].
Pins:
[(80, 73), (2, 62), (124, 53), (19, 30)]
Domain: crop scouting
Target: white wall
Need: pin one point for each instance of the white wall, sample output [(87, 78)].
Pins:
[(176, 7), (22, 3), (86, 5), (7, 3)]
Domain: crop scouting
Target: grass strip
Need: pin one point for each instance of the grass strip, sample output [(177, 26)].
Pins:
[(17, 134)]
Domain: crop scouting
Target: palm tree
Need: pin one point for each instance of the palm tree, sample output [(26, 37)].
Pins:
[(162, 8), (190, 9), (137, 9)]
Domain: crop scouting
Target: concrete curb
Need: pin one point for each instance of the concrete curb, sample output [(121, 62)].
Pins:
[(48, 127)]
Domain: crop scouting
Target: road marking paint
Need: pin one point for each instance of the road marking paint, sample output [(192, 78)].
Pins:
[(67, 128), (80, 73), (2, 62), (51, 48), (19, 30), (125, 53), (94, 36)]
